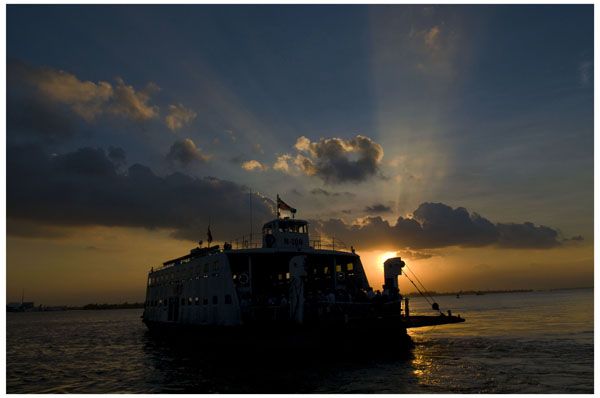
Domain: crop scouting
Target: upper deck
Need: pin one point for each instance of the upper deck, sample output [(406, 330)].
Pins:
[(278, 236)]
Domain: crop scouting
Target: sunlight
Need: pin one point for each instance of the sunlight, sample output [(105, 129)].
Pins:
[(384, 256)]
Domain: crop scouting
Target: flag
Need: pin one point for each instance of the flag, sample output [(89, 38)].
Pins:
[(209, 236), (284, 206)]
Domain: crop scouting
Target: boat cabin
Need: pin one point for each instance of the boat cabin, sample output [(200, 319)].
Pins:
[(286, 233)]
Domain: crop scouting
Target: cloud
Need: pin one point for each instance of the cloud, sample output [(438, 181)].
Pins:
[(415, 255), (334, 160), (131, 104), (185, 152), (577, 238), (179, 116), (254, 165), (436, 225), (53, 88), (30, 229), (39, 119), (85, 187), (321, 191), (431, 37), (378, 208), (526, 235), (282, 163), (117, 155)]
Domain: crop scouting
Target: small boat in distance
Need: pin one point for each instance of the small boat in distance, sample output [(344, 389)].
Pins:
[(286, 283)]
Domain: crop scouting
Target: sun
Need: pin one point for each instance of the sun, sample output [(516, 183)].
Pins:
[(384, 256)]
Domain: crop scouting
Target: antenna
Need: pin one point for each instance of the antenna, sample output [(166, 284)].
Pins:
[(250, 216)]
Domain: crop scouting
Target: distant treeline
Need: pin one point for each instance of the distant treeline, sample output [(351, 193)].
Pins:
[(469, 292), (105, 306)]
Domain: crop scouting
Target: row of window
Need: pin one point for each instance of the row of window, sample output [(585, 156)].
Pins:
[(189, 301), (181, 275), (338, 268)]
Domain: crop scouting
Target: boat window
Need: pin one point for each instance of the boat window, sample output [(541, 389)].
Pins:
[(268, 231), (165, 302), (205, 301), (197, 300), (215, 300), (227, 299), (325, 270), (350, 266), (189, 301), (287, 275), (338, 268)]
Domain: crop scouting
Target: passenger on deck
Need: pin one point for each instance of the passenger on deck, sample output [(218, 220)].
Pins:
[(370, 293)]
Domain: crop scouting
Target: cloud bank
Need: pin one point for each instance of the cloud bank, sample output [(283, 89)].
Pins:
[(85, 187), (436, 225)]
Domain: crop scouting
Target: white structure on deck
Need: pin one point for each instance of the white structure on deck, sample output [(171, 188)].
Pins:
[(226, 287)]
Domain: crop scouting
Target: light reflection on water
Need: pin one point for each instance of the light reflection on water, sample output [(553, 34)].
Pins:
[(521, 342), (525, 342)]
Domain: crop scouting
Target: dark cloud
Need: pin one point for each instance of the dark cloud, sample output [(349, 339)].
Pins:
[(415, 254), (117, 155), (435, 225), (378, 208), (577, 238), (526, 235), (38, 120), (334, 160), (185, 152), (85, 187), (321, 191), (22, 228)]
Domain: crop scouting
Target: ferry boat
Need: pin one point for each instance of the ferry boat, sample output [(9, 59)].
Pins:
[(285, 284)]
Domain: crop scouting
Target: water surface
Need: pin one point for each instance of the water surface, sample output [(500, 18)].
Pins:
[(539, 342)]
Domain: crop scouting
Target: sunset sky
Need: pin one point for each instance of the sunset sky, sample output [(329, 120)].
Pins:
[(460, 137)]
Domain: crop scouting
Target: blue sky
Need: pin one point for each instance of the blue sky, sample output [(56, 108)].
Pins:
[(484, 107)]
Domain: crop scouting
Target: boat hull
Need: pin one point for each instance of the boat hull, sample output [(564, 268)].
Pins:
[(384, 336)]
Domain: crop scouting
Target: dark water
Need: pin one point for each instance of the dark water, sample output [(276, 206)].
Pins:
[(538, 342)]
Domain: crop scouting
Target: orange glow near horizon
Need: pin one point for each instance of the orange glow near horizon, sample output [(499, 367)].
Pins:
[(386, 255)]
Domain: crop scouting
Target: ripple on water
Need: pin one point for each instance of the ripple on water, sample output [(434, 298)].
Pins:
[(510, 343)]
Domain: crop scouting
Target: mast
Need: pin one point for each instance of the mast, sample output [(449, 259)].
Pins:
[(250, 217)]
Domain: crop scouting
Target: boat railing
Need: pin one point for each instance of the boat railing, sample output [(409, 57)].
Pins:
[(247, 242), (316, 242), (324, 243)]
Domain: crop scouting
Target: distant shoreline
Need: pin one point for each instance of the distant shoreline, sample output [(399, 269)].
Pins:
[(484, 292), (140, 305)]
